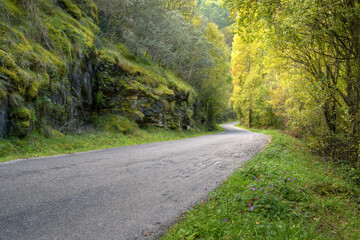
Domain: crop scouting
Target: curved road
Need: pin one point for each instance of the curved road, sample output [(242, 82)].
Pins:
[(118, 193)]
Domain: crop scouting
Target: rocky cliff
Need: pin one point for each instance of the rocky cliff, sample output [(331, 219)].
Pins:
[(56, 71)]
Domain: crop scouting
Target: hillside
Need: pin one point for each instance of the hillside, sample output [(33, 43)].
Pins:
[(57, 72)]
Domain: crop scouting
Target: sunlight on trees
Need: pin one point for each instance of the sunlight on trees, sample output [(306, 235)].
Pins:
[(312, 68)]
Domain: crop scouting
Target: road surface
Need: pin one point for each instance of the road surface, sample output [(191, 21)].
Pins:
[(117, 193)]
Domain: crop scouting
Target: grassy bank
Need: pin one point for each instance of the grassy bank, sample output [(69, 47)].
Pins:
[(283, 193), (37, 144)]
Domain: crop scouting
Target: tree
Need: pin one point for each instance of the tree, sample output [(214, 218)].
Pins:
[(321, 38)]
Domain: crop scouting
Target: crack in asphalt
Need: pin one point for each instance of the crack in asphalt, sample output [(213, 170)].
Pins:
[(118, 193)]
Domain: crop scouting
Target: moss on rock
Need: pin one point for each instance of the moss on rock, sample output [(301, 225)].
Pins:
[(6, 60), (163, 90), (71, 8), (33, 90), (22, 113)]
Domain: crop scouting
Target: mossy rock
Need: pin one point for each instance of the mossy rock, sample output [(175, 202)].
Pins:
[(50, 132), (11, 35), (89, 24), (59, 39), (114, 123), (81, 36), (163, 90), (11, 76), (22, 113), (71, 8), (189, 113), (6, 60), (33, 90), (173, 124), (3, 94), (21, 121), (165, 104), (12, 7), (23, 124), (89, 8)]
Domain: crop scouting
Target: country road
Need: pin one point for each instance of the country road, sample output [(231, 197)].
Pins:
[(117, 193)]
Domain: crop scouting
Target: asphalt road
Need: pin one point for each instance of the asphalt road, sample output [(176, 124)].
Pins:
[(118, 193)]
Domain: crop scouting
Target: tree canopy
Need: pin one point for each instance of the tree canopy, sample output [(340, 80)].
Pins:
[(313, 67)]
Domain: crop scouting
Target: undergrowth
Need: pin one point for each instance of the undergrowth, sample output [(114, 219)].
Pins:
[(283, 193)]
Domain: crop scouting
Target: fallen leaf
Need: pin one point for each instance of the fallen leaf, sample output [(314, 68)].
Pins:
[(148, 234), (157, 223)]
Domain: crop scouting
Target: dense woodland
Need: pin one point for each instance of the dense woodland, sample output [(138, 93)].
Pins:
[(296, 66)]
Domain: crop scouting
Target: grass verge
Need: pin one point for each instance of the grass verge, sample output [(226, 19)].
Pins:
[(37, 145), (282, 193)]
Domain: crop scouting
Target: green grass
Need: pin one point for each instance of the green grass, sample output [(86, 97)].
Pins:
[(37, 145), (316, 203)]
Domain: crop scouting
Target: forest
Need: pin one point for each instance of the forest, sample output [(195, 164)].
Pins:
[(296, 67)]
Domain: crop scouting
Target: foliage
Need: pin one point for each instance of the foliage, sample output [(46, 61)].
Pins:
[(312, 46), (216, 91), (215, 13), (251, 94)]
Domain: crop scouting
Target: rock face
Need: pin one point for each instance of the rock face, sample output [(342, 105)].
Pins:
[(58, 78), (145, 98), (3, 117)]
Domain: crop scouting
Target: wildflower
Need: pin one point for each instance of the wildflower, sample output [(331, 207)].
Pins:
[(202, 204), (224, 220), (216, 181), (253, 189), (249, 205), (267, 193), (287, 173), (299, 190), (288, 179), (258, 180), (294, 178), (260, 189), (272, 186), (257, 223), (252, 208), (205, 189)]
